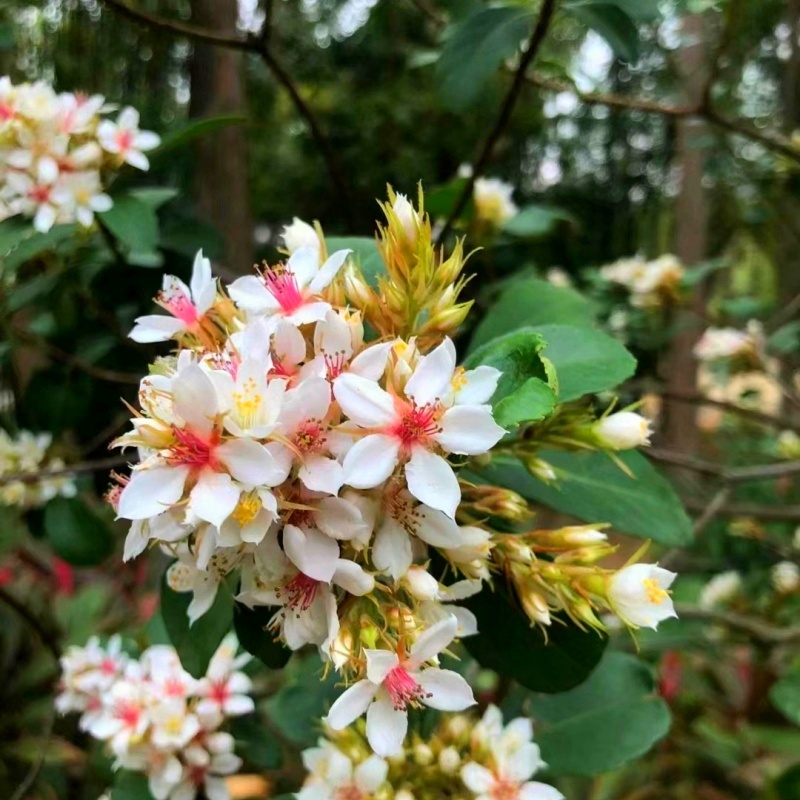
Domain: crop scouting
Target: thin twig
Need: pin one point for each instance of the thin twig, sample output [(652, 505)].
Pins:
[(21, 792), (506, 110), (712, 509), (754, 628), (756, 511), (759, 472), (258, 43), (73, 469), (49, 638)]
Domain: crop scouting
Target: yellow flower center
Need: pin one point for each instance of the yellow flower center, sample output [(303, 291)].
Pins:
[(655, 594), (248, 403), (173, 725), (247, 508), (459, 379)]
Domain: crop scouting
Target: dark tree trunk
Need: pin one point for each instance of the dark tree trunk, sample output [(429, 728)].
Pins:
[(221, 169)]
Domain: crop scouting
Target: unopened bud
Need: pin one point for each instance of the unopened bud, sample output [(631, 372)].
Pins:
[(623, 430), (540, 469), (580, 535), (407, 216), (449, 760), (423, 755), (421, 583)]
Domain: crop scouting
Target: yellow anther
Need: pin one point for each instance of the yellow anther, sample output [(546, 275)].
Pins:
[(247, 508), (655, 594)]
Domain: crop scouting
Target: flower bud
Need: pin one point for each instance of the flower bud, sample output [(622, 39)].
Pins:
[(786, 577), (540, 469), (421, 583), (449, 760), (581, 536), (423, 755), (300, 234), (623, 431), (407, 216)]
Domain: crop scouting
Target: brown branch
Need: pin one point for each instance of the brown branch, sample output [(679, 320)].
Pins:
[(260, 45), (712, 509), (767, 512), (73, 469), (506, 110), (754, 628), (730, 475)]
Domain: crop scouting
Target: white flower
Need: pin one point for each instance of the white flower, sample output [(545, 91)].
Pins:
[(290, 291), (639, 595), (720, 589), (407, 216), (393, 683), (493, 200), (717, 344), (82, 194), (623, 430), (412, 430), (123, 138), (786, 577), (186, 305), (300, 234), (224, 690), (333, 777), (37, 199)]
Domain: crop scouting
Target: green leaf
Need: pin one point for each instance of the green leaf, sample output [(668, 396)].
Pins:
[(195, 644), (76, 532), (187, 236), (786, 339), (129, 785), (475, 48), (612, 718), (534, 221), (510, 645), (250, 625), (134, 224), (638, 10), (785, 696), (516, 355), (534, 400), (255, 744), (80, 615), (612, 23), (34, 244), (155, 196), (532, 302), (365, 251), (305, 698), (194, 130), (594, 489), (586, 360)]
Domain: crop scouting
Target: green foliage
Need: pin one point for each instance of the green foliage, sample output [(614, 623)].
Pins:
[(134, 224), (195, 643), (250, 625), (512, 646), (593, 488), (612, 718), (365, 252), (612, 22), (534, 221), (534, 400), (785, 696), (129, 785), (475, 48), (193, 130), (76, 532)]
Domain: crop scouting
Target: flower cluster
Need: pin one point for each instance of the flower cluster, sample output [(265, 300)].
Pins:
[(306, 437), (156, 718), (731, 344), (649, 283), (462, 759), (58, 151), (27, 453)]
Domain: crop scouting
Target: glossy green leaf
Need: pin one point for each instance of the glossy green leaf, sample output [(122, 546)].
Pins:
[(516, 355), (785, 696), (534, 400), (250, 625), (134, 224), (594, 489), (476, 47), (586, 360), (612, 23), (76, 532), (196, 643), (33, 244), (510, 645), (605, 722), (534, 221), (365, 251), (529, 302), (194, 130), (130, 785)]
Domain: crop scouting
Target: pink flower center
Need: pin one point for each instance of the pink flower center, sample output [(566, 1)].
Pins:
[(310, 436), (416, 425), (504, 789), (174, 688), (124, 140), (108, 666), (219, 692), (335, 364), (191, 450), (128, 714), (402, 688), (282, 285), (175, 300), (301, 591), (348, 792), (39, 194), (7, 112)]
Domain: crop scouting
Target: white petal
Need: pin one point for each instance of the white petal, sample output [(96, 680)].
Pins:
[(432, 481), (391, 551), (155, 328), (204, 595), (370, 363), (480, 385), (304, 265), (432, 377), (251, 462), (250, 294), (386, 726), (214, 497), (340, 519), (352, 578), (436, 528), (321, 474), (351, 704), (312, 552), (446, 690), (539, 791), (194, 398), (432, 641), (371, 461), (370, 774), (202, 283), (151, 491), (363, 401), (477, 778), (379, 664), (327, 272), (468, 430)]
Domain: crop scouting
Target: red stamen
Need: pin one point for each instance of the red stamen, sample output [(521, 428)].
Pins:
[(282, 285), (417, 425), (175, 300), (39, 194), (128, 713), (310, 436), (301, 591), (191, 450), (124, 140), (335, 364), (402, 688), (219, 692)]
